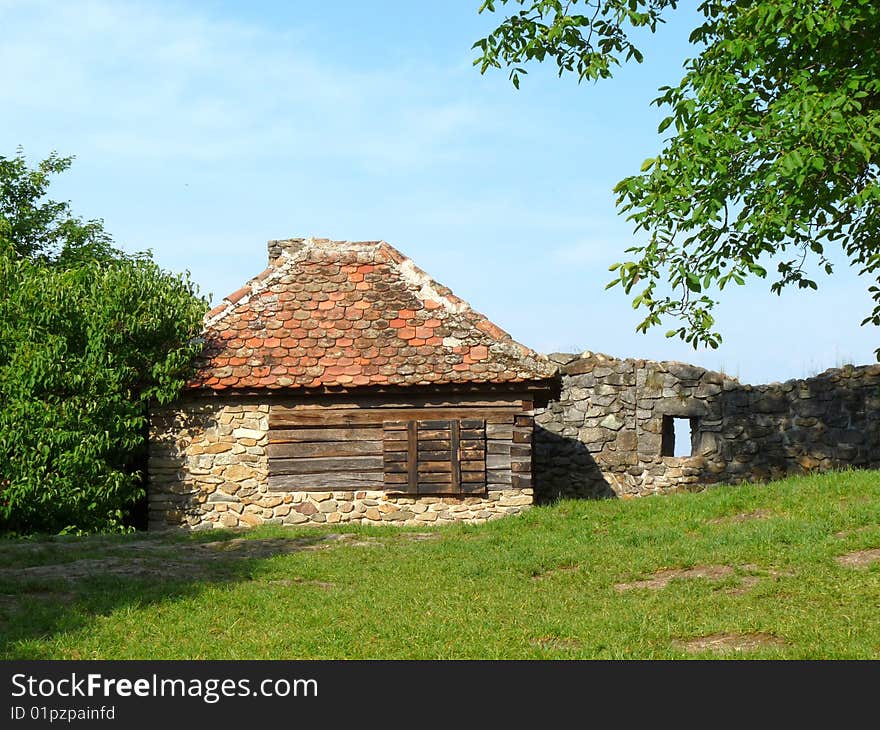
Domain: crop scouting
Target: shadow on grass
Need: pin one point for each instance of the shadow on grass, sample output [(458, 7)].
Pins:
[(59, 585)]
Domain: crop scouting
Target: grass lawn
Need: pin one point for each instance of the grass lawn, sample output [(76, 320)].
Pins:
[(786, 570)]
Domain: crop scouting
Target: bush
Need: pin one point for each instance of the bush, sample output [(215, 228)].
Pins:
[(88, 335)]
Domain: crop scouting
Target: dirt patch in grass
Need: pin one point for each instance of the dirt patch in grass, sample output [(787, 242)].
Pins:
[(747, 582), (724, 642), (758, 514), (855, 531), (859, 558), (556, 643), (662, 578), (240, 547), (152, 559), (420, 536), (556, 571)]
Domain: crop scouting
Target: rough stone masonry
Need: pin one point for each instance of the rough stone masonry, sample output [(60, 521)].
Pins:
[(610, 431)]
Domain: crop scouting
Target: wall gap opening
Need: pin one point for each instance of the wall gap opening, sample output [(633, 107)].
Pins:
[(679, 436)]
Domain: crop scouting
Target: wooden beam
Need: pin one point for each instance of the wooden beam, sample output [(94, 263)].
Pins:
[(435, 455), (522, 437), (499, 476), (435, 488), (445, 425), (324, 465), (498, 461), (498, 431), (429, 434), (473, 488), (285, 417), (412, 457), (298, 435), (324, 449), (454, 448), (435, 478), (426, 467), (402, 398), (434, 444)]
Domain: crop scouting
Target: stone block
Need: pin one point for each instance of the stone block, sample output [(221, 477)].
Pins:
[(247, 433), (238, 472), (611, 422)]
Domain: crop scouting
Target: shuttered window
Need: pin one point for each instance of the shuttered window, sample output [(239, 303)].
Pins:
[(434, 457)]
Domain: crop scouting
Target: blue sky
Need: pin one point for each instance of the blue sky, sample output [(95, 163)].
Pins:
[(202, 129)]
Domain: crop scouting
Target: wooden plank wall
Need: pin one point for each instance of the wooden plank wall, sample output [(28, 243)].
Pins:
[(509, 452), (306, 458), (340, 447)]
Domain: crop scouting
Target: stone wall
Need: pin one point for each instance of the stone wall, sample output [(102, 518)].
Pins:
[(209, 468), (605, 434)]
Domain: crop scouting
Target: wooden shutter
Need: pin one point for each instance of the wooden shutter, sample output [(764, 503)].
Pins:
[(434, 457), (435, 463)]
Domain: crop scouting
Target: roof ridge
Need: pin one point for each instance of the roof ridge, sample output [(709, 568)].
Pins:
[(253, 286)]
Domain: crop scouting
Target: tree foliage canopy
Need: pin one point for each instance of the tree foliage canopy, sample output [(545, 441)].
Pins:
[(773, 146), (88, 335)]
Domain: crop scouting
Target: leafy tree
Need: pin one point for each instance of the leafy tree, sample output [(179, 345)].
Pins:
[(773, 149), (88, 335), (45, 230)]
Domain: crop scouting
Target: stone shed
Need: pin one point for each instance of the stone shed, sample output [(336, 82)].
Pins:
[(343, 384)]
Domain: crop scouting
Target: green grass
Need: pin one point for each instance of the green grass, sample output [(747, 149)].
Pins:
[(540, 585)]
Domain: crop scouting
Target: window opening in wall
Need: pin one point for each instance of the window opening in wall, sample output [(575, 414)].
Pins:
[(679, 436)]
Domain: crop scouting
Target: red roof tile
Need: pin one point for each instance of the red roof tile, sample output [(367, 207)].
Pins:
[(340, 314)]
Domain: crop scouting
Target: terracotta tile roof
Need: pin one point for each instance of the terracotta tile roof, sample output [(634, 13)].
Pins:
[(340, 314)]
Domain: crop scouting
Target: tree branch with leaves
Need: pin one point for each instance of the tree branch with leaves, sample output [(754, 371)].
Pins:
[(773, 148)]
